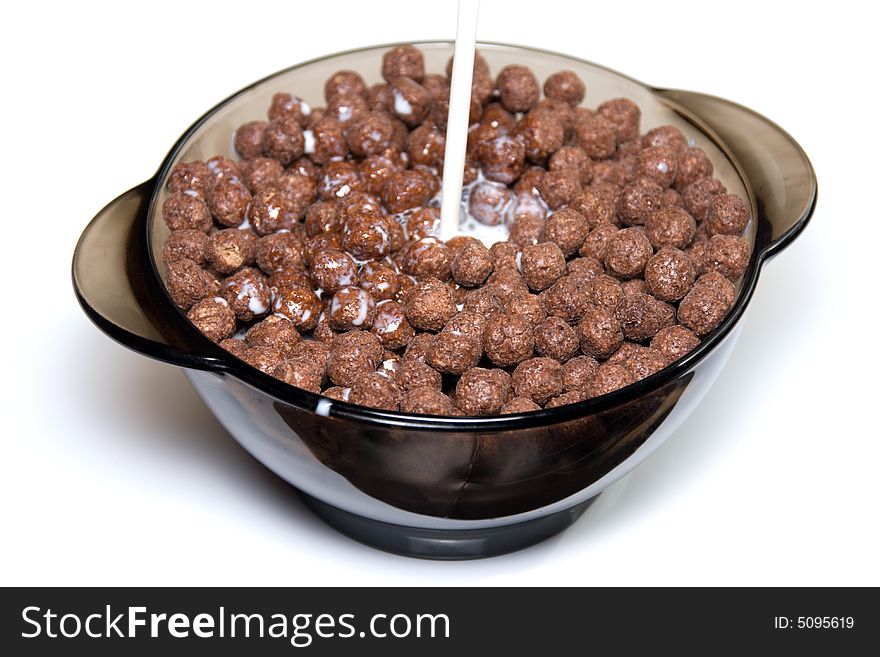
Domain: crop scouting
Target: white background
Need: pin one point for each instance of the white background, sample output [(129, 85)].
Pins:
[(114, 473)]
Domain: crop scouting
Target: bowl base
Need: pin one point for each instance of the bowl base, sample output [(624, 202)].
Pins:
[(445, 544)]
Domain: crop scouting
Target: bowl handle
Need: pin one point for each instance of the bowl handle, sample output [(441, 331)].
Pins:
[(781, 176), (115, 284)]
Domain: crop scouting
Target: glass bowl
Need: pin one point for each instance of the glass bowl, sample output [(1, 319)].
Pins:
[(440, 487)]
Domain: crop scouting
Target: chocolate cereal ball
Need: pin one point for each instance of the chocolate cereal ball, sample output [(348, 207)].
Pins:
[(290, 276), (283, 140), (472, 265), (641, 316), (527, 206), (352, 308), (279, 251), (248, 293), (267, 211), (693, 164), (213, 317), (559, 187), (379, 279), (519, 405), (327, 141), (501, 159), (599, 332), (518, 88), (288, 106), (566, 228), (508, 340), (235, 346), (670, 227), (483, 301), (299, 304), (228, 200), (426, 145), (596, 242), (412, 102), (186, 211), (542, 265), (186, 244), (669, 275), (404, 190), (665, 135), (504, 255), (414, 373), (429, 305), (697, 196), (658, 164), (354, 353), (727, 214), (627, 253), (297, 192), (367, 235), (634, 285), (346, 82), (262, 173), (224, 167), (567, 299), (673, 342), (230, 249), (726, 254), (426, 400), (507, 283), (193, 176), (604, 292), (490, 203), (467, 323), (578, 372), (375, 390), (565, 86), (426, 257), (566, 398), (608, 378), (584, 268), (555, 339), (300, 373), (248, 139), (573, 159), (596, 135), (188, 283), (526, 304), (375, 171), (526, 230), (642, 362), (453, 352), (403, 61), (482, 391), (707, 304), (276, 332), (638, 201), (625, 115), (538, 379), (332, 270), (541, 133), (264, 359), (370, 133), (391, 326), (337, 392), (340, 179)]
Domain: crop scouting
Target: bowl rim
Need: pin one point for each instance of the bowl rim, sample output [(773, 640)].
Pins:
[(224, 362)]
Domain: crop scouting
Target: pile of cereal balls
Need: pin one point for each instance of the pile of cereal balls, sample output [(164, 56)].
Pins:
[(313, 256)]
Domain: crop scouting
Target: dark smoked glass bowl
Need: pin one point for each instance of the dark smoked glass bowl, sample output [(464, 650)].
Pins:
[(446, 488)]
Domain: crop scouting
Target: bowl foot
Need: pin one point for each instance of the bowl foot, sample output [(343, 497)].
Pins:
[(445, 544)]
